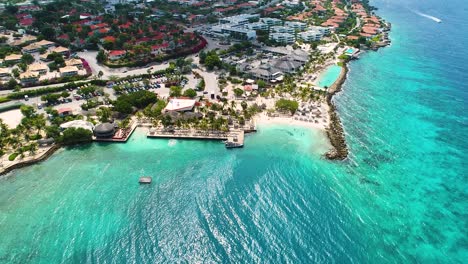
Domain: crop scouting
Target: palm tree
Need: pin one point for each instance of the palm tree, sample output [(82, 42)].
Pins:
[(33, 148)]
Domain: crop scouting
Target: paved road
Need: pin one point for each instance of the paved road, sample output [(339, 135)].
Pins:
[(90, 57)]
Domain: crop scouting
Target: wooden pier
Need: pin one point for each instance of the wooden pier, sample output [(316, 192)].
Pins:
[(232, 136)]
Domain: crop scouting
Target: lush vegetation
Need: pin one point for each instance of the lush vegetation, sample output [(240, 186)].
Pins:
[(141, 99), (284, 105), (75, 136)]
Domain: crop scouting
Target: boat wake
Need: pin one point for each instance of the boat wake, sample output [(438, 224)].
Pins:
[(433, 18)]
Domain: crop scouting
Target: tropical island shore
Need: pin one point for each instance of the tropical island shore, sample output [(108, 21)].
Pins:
[(283, 68)]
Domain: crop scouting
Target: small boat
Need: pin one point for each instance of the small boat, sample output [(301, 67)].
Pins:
[(229, 144), (145, 180)]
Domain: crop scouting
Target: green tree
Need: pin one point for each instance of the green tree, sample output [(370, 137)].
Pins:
[(27, 111), (166, 120), (27, 58), (52, 131), (12, 83), (175, 91), (104, 114), (285, 105), (238, 92), (212, 61), (123, 107), (244, 105), (101, 56), (76, 135), (261, 84), (190, 93)]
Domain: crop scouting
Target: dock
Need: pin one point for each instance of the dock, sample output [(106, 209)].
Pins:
[(145, 180), (232, 136)]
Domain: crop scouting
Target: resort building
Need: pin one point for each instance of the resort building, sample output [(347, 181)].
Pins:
[(179, 105), (31, 48), (43, 57), (257, 26), (68, 71), (310, 35), (266, 73), (45, 44), (234, 32), (286, 65), (38, 67), (116, 54), (61, 50), (74, 62), (159, 49), (29, 77), (65, 111), (282, 29), (272, 21), (323, 30), (285, 38), (4, 72), (12, 58), (239, 19), (297, 26)]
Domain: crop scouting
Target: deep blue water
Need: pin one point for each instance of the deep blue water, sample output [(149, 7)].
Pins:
[(401, 197)]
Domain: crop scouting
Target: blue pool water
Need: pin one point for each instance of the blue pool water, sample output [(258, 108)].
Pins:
[(329, 76), (350, 51), (401, 197)]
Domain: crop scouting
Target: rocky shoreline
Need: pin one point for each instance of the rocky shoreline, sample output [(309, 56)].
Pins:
[(335, 130), (22, 164)]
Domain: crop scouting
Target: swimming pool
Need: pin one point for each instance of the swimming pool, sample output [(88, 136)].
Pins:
[(349, 51), (329, 76)]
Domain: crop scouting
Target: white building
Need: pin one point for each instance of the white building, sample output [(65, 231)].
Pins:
[(179, 105), (296, 25), (310, 35), (323, 30), (239, 19), (281, 29), (235, 32), (257, 26), (272, 21), (282, 37)]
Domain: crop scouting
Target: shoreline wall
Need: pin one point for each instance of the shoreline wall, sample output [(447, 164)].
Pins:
[(22, 164), (335, 130)]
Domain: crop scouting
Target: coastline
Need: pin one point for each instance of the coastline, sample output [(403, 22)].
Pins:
[(36, 159), (335, 131)]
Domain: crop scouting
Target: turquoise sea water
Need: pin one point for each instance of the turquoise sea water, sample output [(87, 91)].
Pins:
[(401, 197), (329, 76)]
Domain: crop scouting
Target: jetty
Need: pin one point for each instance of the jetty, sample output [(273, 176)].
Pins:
[(231, 136)]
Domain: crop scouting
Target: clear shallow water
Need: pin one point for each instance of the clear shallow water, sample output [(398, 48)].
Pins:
[(400, 198), (329, 76)]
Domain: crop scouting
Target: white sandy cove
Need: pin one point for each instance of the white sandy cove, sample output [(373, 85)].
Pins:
[(263, 118), (268, 120)]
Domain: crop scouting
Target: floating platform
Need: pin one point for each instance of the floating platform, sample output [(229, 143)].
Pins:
[(145, 180)]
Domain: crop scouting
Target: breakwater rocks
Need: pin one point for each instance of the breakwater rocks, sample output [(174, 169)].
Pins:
[(335, 130), (22, 164)]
